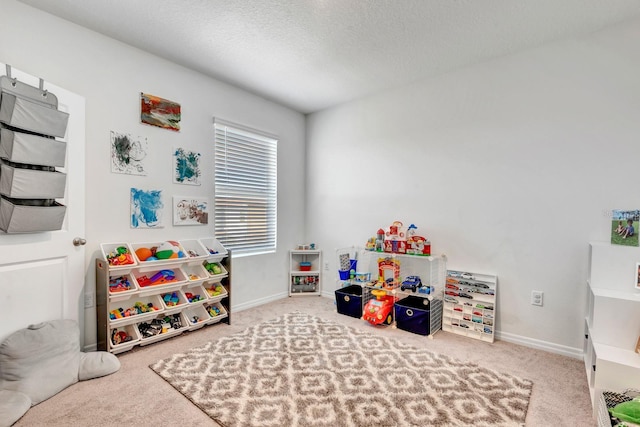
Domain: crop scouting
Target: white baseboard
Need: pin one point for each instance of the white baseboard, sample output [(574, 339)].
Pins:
[(258, 302), (90, 347), (576, 353), (328, 294)]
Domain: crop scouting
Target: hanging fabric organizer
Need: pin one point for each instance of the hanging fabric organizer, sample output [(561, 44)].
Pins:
[(29, 154)]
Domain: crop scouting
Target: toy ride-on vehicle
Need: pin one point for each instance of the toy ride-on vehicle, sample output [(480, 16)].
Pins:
[(411, 282), (378, 311)]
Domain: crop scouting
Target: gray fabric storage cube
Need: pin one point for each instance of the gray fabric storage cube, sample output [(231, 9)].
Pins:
[(18, 218), (32, 116), (32, 149), (31, 184)]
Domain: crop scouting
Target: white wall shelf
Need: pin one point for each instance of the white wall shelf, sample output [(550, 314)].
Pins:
[(305, 272), (612, 322)]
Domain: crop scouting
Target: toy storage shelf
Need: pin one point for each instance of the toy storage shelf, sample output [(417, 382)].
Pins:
[(430, 269), (305, 272), (470, 305), (611, 326), (194, 297)]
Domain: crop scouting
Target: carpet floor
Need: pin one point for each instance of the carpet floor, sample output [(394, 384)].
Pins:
[(136, 395), (300, 370)]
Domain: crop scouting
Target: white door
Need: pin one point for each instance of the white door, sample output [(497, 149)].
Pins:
[(42, 274)]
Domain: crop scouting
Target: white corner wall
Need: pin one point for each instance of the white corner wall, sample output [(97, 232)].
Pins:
[(111, 75), (510, 167)]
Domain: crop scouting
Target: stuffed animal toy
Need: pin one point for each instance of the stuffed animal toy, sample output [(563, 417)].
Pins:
[(628, 411), (42, 360)]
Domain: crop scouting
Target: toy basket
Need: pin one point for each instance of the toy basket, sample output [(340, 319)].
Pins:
[(609, 399)]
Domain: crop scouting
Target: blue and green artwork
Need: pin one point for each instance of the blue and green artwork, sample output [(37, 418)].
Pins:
[(187, 167)]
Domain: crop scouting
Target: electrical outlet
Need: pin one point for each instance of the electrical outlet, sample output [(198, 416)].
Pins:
[(536, 298), (89, 300), (326, 265)]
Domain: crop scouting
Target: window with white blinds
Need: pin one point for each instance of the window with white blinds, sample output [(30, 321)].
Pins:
[(245, 208)]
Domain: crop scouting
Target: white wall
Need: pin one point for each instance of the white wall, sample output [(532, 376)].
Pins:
[(111, 75), (510, 167)]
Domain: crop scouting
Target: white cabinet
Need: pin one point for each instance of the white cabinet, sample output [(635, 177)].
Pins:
[(470, 305), (139, 302), (304, 272), (612, 323)]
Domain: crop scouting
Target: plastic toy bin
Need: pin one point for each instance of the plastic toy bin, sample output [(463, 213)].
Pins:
[(305, 266), (413, 315), (349, 300)]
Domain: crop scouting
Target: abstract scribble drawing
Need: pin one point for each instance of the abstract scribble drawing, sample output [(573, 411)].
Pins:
[(190, 211), (128, 154), (146, 208), (187, 167)]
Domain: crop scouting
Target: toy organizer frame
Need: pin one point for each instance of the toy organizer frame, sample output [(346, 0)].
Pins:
[(478, 320), (191, 277), (431, 269)]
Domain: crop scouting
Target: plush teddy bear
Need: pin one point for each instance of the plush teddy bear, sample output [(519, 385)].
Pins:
[(40, 361)]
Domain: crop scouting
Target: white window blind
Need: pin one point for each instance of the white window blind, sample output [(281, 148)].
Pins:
[(245, 209)]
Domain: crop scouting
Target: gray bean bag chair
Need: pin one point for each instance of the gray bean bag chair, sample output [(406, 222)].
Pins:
[(41, 360)]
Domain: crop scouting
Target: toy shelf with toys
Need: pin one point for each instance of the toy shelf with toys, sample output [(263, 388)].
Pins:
[(470, 305), (395, 279), (401, 290), (147, 292)]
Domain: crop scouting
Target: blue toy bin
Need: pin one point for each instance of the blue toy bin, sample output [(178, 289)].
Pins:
[(349, 300), (346, 274)]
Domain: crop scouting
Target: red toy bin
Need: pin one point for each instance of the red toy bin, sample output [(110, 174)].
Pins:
[(305, 266)]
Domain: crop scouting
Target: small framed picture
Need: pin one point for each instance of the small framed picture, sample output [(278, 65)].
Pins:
[(637, 275)]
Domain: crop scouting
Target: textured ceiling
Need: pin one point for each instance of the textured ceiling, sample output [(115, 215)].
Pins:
[(313, 54)]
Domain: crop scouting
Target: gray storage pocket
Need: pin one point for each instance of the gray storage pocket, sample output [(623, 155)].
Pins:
[(21, 183), (27, 148), (33, 116), (30, 216)]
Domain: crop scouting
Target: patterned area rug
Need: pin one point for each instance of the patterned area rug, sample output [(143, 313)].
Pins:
[(299, 370)]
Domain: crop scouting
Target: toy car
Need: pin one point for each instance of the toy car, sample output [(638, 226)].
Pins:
[(426, 289), (452, 300), (377, 311), (411, 282), (390, 283)]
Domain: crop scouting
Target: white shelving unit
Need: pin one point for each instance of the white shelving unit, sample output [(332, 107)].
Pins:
[(431, 270), (304, 272), (191, 298), (470, 305), (612, 323)]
